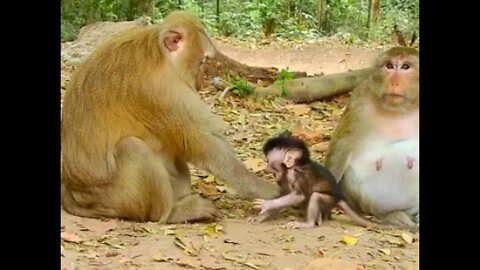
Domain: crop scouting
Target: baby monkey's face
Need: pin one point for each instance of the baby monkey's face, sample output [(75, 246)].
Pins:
[(275, 165)]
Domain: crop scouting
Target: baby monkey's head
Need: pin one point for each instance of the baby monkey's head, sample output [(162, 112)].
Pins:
[(285, 152)]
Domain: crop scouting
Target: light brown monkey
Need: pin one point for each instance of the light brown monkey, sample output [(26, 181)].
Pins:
[(374, 151), (131, 121), (303, 182)]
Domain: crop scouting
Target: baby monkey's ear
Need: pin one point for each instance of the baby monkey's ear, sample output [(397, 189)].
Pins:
[(291, 156)]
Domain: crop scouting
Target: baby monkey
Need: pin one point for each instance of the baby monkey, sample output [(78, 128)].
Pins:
[(304, 183)]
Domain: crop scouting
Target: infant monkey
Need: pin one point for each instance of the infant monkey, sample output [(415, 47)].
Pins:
[(303, 182)]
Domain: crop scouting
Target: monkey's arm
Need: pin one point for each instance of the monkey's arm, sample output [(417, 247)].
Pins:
[(291, 199), (222, 162), (212, 152), (340, 147), (189, 130)]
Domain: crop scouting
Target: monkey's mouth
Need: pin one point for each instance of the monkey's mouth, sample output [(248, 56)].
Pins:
[(394, 98), (395, 95)]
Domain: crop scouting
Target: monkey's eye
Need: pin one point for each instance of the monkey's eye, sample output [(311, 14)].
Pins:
[(389, 66), (405, 66)]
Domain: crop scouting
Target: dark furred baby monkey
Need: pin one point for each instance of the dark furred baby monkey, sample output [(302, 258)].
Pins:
[(303, 183)]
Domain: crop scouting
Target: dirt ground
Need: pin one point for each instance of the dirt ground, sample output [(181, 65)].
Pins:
[(233, 243)]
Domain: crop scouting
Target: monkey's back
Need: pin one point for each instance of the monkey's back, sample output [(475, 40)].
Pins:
[(323, 180), (99, 105)]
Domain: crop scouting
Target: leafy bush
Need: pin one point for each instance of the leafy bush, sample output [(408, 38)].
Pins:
[(255, 19)]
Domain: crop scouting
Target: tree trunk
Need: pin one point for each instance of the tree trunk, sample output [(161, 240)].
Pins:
[(138, 8), (300, 89), (320, 14), (373, 12), (318, 87), (217, 12)]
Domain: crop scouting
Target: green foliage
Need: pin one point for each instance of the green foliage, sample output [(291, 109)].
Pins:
[(255, 19), (284, 75), (242, 88), (78, 13)]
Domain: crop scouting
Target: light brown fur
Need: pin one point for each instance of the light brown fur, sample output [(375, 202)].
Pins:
[(131, 121), (382, 113)]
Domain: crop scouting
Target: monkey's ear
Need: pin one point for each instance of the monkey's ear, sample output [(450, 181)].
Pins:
[(174, 40), (291, 156)]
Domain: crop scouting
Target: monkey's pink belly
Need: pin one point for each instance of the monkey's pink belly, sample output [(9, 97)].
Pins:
[(382, 178)]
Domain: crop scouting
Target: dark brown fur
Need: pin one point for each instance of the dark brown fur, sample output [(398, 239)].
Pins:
[(303, 182)]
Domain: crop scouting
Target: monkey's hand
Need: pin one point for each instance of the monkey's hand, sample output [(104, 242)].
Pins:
[(258, 219), (299, 225), (263, 189), (264, 205)]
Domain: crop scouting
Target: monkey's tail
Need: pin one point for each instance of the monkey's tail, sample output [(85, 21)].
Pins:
[(354, 216), (365, 223)]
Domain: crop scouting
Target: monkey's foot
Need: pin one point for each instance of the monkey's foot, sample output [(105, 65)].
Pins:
[(400, 218), (300, 225), (194, 208)]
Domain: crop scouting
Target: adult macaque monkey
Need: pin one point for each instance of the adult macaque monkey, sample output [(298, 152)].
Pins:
[(303, 183), (374, 151), (132, 120)]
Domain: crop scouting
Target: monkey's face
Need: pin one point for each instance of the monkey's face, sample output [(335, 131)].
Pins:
[(188, 49), (398, 82), (277, 169), (275, 164)]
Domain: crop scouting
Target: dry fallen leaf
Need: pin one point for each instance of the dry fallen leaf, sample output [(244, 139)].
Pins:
[(147, 230), (407, 237), (241, 119), (396, 241), (210, 263), (177, 261), (124, 260), (210, 179), (70, 237), (231, 242), (319, 253), (189, 249), (226, 256), (349, 240), (159, 257), (298, 109), (207, 190), (254, 164), (169, 232), (385, 251), (168, 227), (311, 138), (96, 225), (112, 253), (327, 263), (321, 146), (113, 245), (211, 230)]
